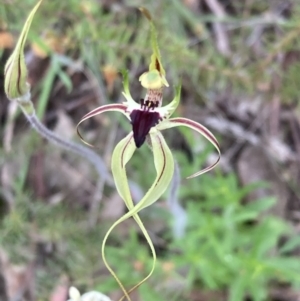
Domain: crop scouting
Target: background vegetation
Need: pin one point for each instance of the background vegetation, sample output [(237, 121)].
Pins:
[(232, 234)]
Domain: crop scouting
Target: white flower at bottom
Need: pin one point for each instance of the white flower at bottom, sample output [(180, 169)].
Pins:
[(94, 296), (89, 296)]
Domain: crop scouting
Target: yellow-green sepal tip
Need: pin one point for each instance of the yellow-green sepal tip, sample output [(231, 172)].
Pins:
[(155, 77)]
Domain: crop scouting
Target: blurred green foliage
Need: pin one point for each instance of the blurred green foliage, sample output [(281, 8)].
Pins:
[(227, 245)]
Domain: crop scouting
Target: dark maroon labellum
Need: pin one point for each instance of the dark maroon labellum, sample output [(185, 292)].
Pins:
[(142, 122)]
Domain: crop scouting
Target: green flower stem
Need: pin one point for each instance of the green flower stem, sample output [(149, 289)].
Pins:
[(17, 89), (27, 107)]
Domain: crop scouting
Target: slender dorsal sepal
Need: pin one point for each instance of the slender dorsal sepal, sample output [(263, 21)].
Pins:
[(155, 77), (15, 69), (126, 83), (198, 127), (169, 109), (126, 93)]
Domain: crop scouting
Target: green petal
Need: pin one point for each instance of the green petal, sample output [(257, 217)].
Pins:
[(114, 107), (121, 155), (169, 109), (126, 93), (164, 165), (15, 69), (179, 121)]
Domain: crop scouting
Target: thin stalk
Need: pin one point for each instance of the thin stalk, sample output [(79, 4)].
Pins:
[(27, 107)]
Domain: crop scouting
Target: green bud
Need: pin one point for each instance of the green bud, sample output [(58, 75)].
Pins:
[(15, 84)]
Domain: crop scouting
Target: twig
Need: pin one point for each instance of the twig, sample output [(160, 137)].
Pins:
[(221, 33)]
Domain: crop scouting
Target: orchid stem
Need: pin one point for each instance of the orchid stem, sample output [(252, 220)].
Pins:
[(28, 109)]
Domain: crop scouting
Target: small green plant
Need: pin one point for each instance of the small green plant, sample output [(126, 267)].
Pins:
[(228, 245)]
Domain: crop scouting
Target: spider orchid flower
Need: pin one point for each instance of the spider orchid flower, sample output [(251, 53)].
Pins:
[(148, 119)]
